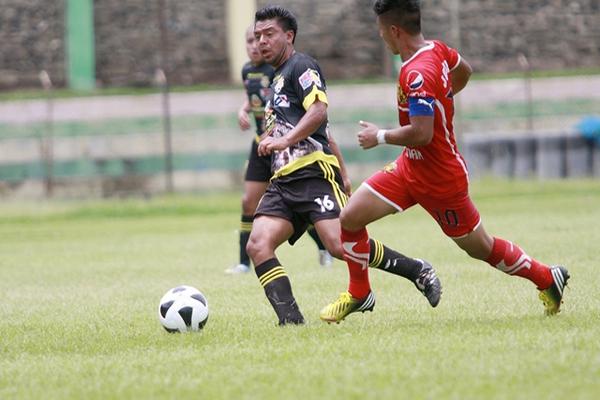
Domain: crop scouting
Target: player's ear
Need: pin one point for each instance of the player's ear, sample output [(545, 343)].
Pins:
[(290, 36)]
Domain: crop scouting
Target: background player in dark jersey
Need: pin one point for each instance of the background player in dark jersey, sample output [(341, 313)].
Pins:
[(257, 76), (430, 171), (307, 183)]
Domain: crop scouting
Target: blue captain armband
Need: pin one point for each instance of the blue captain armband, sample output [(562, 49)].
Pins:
[(421, 106)]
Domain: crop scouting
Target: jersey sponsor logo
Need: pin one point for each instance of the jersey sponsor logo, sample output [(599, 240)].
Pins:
[(413, 154), (278, 82), (421, 93), (308, 78), (415, 80), (281, 100)]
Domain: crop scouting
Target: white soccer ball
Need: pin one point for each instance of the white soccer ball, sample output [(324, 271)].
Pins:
[(183, 309)]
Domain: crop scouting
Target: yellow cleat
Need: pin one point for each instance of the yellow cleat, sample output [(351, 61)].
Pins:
[(346, 304), (552, 297)]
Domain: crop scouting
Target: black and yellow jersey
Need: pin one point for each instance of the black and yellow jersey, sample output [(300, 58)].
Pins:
[(257, 81), (297, 84)]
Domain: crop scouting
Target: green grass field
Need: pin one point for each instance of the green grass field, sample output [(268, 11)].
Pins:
[(81, 282)]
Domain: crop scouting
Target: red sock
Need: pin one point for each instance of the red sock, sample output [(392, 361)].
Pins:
[(356, 253), (510, 259)]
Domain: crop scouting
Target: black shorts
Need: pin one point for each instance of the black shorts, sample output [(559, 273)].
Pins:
[(258, 169), (304, 201)]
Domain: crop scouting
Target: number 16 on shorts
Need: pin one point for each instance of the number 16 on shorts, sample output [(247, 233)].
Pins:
[(325, 203)]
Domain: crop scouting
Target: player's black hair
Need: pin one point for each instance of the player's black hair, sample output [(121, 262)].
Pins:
[(404, 13), (286, 20)]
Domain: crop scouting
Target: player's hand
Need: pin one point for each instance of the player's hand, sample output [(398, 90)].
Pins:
[(243, 120), (347, 185), (367, 137), (270, 144)]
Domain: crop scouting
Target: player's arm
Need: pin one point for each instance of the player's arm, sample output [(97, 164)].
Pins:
[(418, 133), (243, 117), (460, 75), (315, 116), (335, 149)]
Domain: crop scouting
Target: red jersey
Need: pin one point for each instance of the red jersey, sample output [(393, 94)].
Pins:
[(438, 167)]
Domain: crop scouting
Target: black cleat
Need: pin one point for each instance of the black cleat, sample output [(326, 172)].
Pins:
[(428, 283)]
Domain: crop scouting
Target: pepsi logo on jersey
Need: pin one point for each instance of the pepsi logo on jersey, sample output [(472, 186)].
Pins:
[(415, 80)]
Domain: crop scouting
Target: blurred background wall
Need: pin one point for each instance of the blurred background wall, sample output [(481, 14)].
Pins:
[(148, 139), (341, 34)]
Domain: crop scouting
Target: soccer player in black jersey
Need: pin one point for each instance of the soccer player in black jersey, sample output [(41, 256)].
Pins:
[(257, 76), (307, 185)]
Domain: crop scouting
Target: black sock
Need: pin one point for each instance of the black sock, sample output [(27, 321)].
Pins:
[(315, 236), (245, 228), (386, 259), (278, 290)]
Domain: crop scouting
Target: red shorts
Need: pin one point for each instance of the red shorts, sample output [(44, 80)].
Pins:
[(454, 212)]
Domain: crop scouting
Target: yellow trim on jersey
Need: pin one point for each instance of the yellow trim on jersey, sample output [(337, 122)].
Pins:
[(270, 276), (312, 97), (329, 174), (304, 161), (377, 254)]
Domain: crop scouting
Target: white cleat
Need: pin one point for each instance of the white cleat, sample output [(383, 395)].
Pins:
[(325, 259), (238, 269)]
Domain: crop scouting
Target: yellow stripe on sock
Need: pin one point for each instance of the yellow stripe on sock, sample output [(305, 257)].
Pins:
[(281, 274), (273, 274), (377, 254), (246, 226)]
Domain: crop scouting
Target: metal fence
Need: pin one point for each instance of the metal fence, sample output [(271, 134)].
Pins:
[(122, 145)]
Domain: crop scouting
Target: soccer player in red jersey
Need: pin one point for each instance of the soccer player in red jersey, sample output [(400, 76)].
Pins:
[(430, 171)]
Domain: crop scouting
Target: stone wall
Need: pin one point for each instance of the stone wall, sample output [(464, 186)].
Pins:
[(128, 41), (341, 34), (31, 40), (553, 34)]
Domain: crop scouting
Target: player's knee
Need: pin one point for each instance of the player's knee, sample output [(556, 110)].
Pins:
[(334, 246), (336, 251), (253, 247), (348, 222)]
